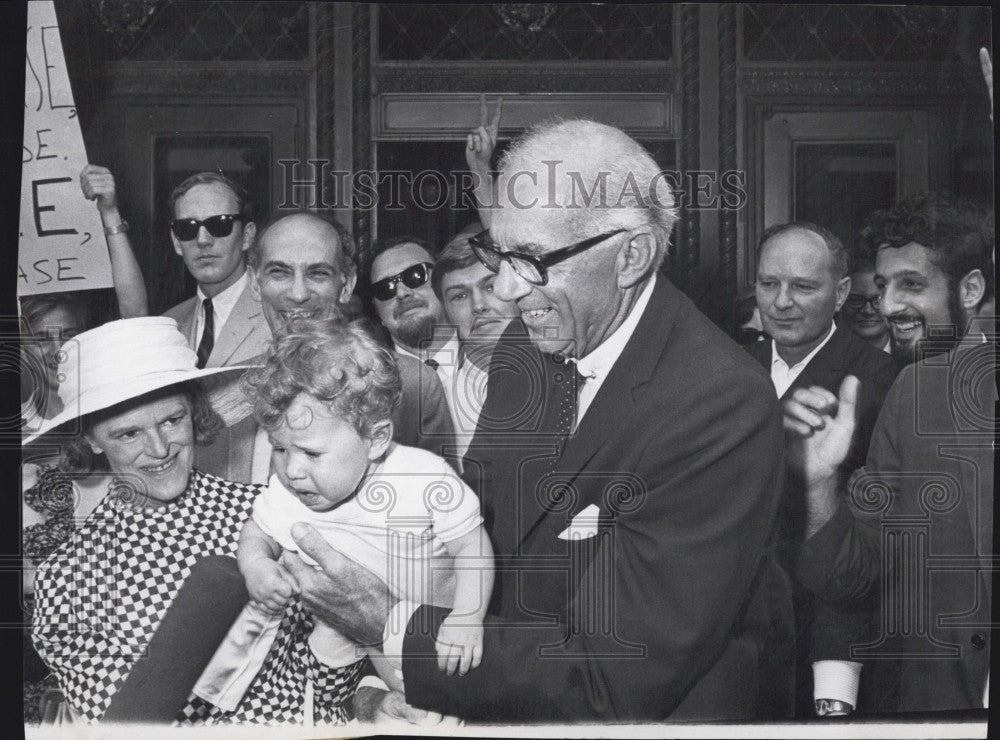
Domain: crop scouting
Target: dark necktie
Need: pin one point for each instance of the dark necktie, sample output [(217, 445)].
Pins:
[(567, 382), (432, 364), (207, 336)]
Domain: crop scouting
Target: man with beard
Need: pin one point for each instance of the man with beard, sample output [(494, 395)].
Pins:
[(401, 269), (921, 510), (303, 266)]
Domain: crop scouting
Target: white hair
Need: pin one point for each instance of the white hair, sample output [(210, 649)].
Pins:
[(608, 179)]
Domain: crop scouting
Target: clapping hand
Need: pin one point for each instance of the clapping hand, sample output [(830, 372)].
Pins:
[(987, 65), (824, 425)]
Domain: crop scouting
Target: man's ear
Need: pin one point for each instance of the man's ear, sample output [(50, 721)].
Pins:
[(177, 244), (636, 258), (254, 282), (843, 290), (380, 438), (94, 447), (249, 232), (971, 289), (349, 282)]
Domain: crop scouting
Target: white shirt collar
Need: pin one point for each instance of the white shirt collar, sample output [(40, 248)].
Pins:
[(222, 304), (446, 356), (776, 358), (599, 362)]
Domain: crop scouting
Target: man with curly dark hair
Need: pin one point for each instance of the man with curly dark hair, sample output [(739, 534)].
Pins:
[(917, 520)]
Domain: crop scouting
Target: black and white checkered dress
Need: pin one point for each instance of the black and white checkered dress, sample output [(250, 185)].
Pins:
[(101, 595)]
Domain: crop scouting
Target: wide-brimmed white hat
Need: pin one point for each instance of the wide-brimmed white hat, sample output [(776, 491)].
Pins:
[(117, 362)]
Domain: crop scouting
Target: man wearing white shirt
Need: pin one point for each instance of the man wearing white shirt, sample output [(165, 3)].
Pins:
[(666, 603), (464, 287), (212, 230), (801, 283)]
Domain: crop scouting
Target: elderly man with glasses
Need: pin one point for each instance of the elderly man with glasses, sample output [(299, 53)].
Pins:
[(627, 458)]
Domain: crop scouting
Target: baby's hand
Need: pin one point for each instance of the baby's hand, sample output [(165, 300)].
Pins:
[(271, 587), (459, 644)]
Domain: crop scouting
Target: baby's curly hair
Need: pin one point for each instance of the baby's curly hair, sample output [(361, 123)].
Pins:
[(339, 364)]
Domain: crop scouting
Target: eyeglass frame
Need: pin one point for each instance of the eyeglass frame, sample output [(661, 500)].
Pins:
[(395, 280), (198, 223), (875, 301), (542, 262)]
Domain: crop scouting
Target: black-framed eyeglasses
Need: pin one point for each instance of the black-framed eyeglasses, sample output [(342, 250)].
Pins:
[(856, 301), (219, 226), (528, 266), (412, 277)]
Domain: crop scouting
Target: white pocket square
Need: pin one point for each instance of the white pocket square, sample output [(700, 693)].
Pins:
[(584, 525)]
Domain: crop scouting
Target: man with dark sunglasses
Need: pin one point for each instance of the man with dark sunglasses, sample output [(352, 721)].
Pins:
[(628, 461), (406, 303), (211, 230), (410, 310)]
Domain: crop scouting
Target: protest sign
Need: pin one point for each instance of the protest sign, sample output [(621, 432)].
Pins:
[(61, 244)]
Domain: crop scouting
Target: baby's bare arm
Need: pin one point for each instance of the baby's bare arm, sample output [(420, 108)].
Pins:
[(271, 586)]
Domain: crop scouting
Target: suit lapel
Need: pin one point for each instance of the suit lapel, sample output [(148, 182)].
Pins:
[(614, 406), (237, 329), (187, 322)]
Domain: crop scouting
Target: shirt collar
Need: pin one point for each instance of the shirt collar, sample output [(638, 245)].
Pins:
[(599, 362), (776, 358), (222, 304), (446, 354)]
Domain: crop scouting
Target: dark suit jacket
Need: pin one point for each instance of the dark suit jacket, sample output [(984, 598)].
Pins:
[(674, 608), (826, 631), (924, 500)]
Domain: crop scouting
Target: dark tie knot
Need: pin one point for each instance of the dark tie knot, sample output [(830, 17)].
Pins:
[(432, 363)]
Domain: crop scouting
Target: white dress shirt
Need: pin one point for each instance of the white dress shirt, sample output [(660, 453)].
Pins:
[(222, 306), (783, 375), (596, 366), (465, 398)]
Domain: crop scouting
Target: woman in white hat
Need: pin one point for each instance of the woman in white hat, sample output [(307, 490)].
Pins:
[(134, 407)]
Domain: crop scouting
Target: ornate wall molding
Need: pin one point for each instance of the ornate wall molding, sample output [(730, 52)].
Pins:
[(465, 78), (325, 72), (230, 81), (855, 81), (361, 114), (727, 158), (688, 239)]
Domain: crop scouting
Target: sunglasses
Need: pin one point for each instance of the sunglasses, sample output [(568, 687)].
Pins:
[(412, 277), (187, 229), (856, 301), (533, 269)]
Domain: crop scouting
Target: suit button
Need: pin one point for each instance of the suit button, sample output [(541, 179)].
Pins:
[(978, 641)]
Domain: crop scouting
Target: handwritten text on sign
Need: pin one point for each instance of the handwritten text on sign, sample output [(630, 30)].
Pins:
[(61, 245)]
